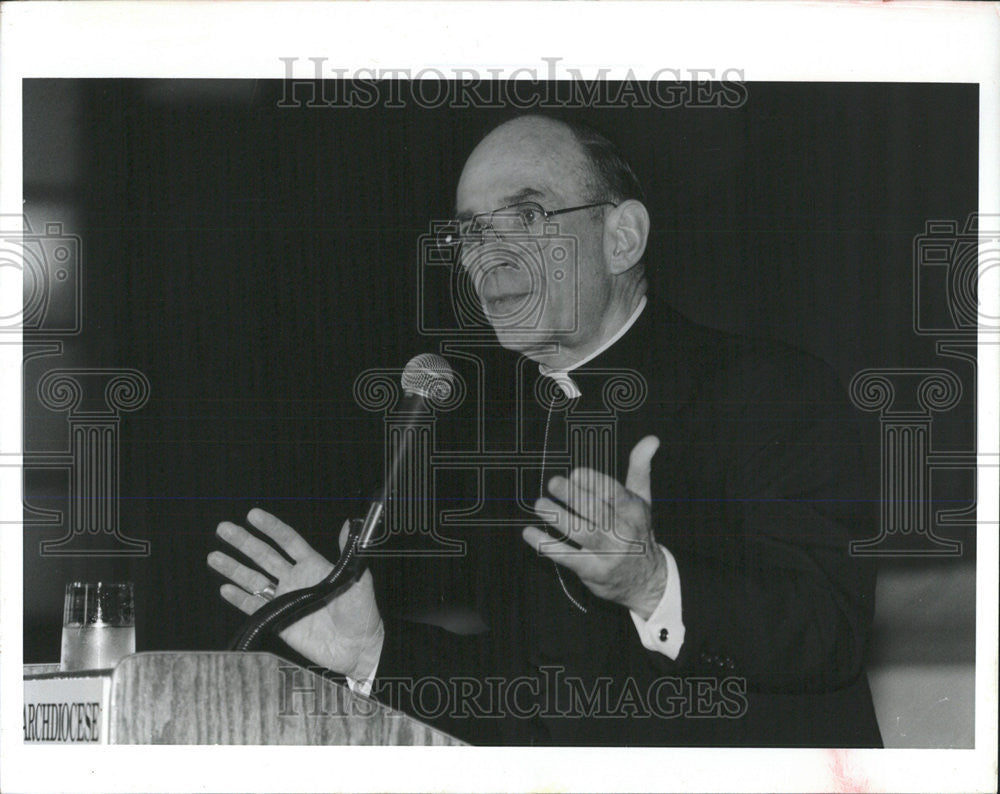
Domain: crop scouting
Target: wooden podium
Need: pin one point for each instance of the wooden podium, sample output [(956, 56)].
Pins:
[(207, 697)]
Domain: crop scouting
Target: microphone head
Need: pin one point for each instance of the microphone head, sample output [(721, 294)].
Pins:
[(428, 375)]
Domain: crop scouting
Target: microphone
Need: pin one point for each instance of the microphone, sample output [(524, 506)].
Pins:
[(427, 378)]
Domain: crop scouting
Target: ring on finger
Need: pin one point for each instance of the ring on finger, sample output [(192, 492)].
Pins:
[(266, 592)]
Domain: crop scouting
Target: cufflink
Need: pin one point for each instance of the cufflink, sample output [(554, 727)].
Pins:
[(663, 635)]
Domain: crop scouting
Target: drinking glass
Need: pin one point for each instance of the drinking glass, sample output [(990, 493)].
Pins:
[(98, 625)]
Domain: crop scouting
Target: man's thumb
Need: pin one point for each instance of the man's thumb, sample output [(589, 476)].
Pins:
[(638, 467)]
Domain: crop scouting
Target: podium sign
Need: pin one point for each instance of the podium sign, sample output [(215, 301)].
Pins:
[(67, 708), (206, 697)]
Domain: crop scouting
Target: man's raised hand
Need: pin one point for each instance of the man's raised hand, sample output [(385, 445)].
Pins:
[(618, 558), (344, 635)]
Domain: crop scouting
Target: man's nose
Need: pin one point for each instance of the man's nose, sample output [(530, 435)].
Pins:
[(490, 254)]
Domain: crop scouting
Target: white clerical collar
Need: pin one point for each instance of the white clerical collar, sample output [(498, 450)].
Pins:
[(561, 376)]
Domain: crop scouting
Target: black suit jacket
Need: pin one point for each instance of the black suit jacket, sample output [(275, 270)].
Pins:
[(755, 493)]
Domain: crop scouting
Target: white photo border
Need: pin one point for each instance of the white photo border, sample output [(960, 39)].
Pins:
[(863, 42)]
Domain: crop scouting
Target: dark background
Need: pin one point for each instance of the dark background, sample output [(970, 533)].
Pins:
[(252, 260)]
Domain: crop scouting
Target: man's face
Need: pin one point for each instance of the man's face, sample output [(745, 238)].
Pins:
[(544, 289)]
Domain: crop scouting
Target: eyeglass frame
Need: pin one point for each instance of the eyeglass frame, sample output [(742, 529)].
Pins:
[(546, 215)]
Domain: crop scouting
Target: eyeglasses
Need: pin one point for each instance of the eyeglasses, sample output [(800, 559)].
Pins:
[(526, 217)]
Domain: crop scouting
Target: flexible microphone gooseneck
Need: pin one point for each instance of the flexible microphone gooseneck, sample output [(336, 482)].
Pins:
[(427, 376)]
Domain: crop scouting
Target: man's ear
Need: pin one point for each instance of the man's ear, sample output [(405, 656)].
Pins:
[(626, 230)]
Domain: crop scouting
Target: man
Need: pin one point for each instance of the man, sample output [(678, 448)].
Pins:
[(702, 594)]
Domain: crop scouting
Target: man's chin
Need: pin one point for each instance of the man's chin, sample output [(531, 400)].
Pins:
[(533, 344), (513, 339)]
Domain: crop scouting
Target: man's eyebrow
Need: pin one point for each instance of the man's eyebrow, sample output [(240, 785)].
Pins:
[(513, 198), (522, 194)]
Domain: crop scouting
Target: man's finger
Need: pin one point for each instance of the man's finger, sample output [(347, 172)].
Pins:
[(290, 541), (250, 580), (594, 485), (589, 494), (579, 530), (241, 599), (344, 531), (639, 465), (262, 555), (581, 562)]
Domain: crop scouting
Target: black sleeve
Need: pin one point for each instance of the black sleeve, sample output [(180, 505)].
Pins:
[(440, 678), (772, 593)]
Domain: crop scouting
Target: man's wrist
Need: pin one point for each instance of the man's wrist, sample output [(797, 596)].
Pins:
[(654, 589)]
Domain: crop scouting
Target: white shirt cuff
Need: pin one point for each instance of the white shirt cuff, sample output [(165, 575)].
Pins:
[(361, 687), (372, 657), (664, 631)]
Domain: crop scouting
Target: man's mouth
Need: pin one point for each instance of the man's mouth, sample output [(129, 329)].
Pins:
[(504, 303), (503, 289)]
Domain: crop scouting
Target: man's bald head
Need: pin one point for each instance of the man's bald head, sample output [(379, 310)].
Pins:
[(587, 160)]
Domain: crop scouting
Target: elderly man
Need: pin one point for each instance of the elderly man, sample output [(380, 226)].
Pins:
[(705, 598)]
